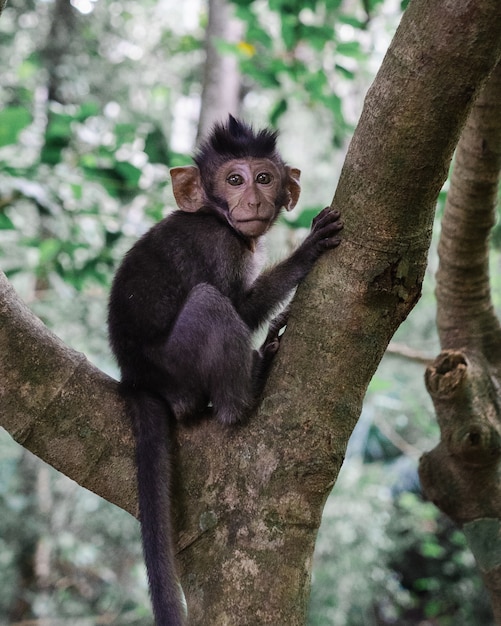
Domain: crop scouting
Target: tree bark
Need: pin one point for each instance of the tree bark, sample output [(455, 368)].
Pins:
[(249, 500), (60, 407), (461, 475)]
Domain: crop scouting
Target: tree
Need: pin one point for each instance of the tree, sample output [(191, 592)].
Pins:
[(461, 475), (221, 85), (250, 500)]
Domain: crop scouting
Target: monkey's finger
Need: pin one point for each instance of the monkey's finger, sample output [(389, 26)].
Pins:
[(328, 229), (320, 215), (331, 242), (324, 217)]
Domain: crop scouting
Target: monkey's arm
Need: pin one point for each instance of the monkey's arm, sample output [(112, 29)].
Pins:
[(274, 285)]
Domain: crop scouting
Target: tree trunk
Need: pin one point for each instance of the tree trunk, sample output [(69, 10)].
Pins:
[(21, 603), (60, 40), (249, 500), (221, 84), (461, 475)]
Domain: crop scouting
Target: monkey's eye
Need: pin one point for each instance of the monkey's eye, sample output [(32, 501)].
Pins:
[(264, 178), (234, 179)]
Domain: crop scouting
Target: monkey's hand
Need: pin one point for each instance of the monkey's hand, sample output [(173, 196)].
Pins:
[(278, 323), (264, 356), (324, 233), (270, 345)]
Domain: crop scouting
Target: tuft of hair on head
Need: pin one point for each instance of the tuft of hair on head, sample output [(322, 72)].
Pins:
[(234, 140)]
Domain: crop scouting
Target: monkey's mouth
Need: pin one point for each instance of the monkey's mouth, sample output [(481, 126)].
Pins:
[(253, 219), (253, 227)]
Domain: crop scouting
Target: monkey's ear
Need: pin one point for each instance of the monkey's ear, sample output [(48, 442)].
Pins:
[(187, 188), (293, 187)]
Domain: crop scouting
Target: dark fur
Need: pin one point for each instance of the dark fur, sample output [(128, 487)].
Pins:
[(182, 310), (235, 140)]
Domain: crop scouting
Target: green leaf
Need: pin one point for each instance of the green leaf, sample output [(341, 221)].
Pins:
[(304, 219), (77, 190), (350, 49), (177, 159), (427, 584), (314, 84), (12, 121), (335, 104), (278, 110), (317, 36), (57, 137), (119, 180), (6, 222), (86, 110), (351, 20), (27, 69), (51, 154), (432, 550), (155, 146), (433, 608), (345, 72), (48, 250), (126, 133), (59, 126), (379, 385), (129, 173)]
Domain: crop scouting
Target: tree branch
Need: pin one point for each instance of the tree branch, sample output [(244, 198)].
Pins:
[(466, 316), (56, 404), (461, 474), (405, 352)]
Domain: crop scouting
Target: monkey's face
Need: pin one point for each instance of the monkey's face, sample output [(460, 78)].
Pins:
[(251, 188), (249, 191)]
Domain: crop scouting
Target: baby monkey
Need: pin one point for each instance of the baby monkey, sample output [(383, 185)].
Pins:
[(183, 307)]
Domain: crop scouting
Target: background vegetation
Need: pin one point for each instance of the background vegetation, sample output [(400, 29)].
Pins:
[(97, 100)]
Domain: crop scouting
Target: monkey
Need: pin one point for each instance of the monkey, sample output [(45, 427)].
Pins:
[(184, 305)]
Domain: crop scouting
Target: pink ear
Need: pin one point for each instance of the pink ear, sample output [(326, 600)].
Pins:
[(187, 188), (293, 186)]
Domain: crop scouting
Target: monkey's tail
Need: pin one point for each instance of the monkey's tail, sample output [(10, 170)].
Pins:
[(150, 414)]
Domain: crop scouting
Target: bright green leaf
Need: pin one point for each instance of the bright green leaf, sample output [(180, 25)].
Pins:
[(48, 250), (12, 121), (350, 49), (432, 550), (304, 219)]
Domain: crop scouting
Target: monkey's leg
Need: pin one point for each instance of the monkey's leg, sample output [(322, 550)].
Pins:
[(208, 357)]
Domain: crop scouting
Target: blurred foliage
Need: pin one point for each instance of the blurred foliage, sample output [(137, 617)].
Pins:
[(64, 552), (87, 134), (303, 50), (398, 561)]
